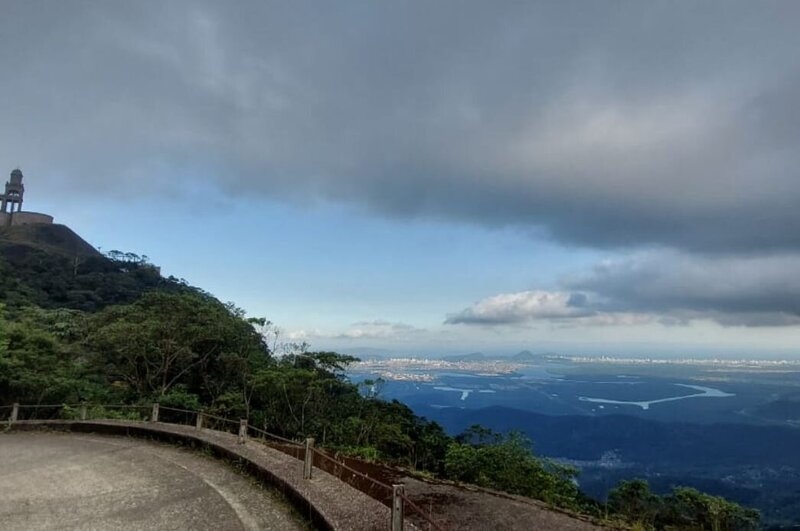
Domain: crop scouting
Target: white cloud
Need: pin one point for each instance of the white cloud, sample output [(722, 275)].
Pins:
[(511, 308), (380, 329)]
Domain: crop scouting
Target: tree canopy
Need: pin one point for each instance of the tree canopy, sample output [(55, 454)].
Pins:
[(683, 508)]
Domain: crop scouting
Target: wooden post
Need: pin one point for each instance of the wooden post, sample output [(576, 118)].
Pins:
[(198, 423), (14, 412), (397, 507), (242, 431), (308, 464), (154, 414), (83, 412)]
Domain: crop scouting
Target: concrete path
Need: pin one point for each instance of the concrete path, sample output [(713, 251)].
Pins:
[(62, 481)]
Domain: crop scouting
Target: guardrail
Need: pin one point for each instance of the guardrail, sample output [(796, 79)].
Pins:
[(391, 495)]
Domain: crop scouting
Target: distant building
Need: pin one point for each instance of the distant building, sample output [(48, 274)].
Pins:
[(11, 212)]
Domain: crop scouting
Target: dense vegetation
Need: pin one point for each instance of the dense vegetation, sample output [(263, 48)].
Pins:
[(112, 330), (756, 465), (683, 508)]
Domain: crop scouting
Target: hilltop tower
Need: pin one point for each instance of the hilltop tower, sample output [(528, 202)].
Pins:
[(14, 192), (11, 204)]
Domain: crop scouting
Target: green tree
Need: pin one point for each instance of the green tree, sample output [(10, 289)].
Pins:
[(507, 463), (39, 361), (3, 331), (683, 509), (688, 508), (634, 501), (166, 339)]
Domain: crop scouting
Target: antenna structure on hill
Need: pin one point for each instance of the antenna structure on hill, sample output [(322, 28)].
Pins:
[(11, 212), (14, 192)]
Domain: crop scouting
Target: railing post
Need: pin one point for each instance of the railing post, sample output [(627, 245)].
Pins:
[(83, 411), (397, 507), (14, 412), (154, 414), (242, 431), (199, 421), (308, 464)]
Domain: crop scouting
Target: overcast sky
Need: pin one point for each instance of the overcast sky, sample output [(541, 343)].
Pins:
[(429, 177)]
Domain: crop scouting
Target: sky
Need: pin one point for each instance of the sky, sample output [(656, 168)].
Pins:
[(610, 177)]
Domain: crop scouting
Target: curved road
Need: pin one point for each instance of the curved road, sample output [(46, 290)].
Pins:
[(55, 481)]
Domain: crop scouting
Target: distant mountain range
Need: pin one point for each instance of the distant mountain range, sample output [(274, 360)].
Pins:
[(474, 356), (523, 356), (367, 353), (527, 355)]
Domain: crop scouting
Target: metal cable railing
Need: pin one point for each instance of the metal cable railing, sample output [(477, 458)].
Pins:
[(421, 513), (130, 407), (37, 411), (355, 478), (391, 495), (217, 423), (360, 480), (273, 436), (113, 411), (174, 415)]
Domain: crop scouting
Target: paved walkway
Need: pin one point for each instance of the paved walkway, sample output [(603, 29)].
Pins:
[(62, 481)]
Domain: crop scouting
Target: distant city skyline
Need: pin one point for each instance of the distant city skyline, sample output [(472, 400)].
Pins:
[(446, 178)]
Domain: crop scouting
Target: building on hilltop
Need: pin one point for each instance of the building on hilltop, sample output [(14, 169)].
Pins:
[(11, 212), (14, 191)]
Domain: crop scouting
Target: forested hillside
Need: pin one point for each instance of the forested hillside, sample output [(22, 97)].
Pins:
[(77, 326)]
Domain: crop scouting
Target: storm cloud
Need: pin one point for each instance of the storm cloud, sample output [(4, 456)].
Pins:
[(662, 286), (602, 124), (763, 290)]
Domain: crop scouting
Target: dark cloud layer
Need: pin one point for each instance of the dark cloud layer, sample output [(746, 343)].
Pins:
[(665, 287), (606, 123), (733, 291)]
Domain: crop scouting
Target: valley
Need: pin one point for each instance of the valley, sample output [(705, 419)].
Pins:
[(725, 428)]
